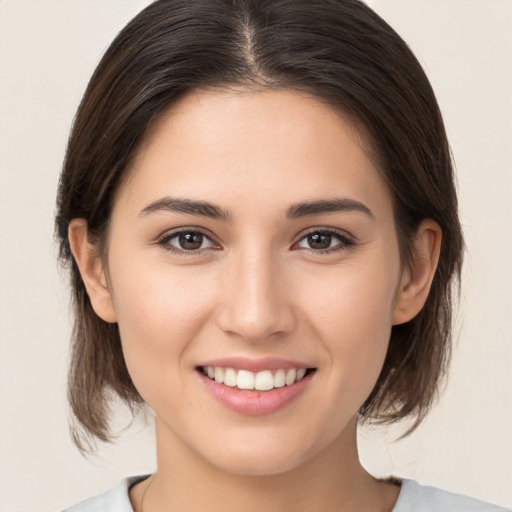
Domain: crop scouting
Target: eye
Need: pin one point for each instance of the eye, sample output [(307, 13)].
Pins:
[(186, 241), (325, 241)]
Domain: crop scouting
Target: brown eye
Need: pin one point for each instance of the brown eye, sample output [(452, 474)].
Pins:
[(325, 241), (187, 241), (319, 240), (190, 241)]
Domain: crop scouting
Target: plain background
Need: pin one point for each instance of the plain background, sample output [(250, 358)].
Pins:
[(48, 50)]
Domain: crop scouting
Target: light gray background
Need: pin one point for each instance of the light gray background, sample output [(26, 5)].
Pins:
[(48, 49)]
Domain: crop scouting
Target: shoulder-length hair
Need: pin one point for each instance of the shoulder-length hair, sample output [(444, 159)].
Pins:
[(346, 56)]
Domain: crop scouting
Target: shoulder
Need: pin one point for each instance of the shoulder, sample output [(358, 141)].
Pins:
[(116, 499), (419, 498)]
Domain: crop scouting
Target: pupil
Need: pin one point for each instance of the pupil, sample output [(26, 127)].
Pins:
[(191, 241), (319, 241)]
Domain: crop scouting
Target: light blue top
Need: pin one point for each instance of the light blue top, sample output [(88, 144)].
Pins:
[(413, 498)]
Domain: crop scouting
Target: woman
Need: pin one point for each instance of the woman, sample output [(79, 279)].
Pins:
[(258, 210)]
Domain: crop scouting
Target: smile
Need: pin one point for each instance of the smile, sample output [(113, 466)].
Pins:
[(258, 392), (265, 380)]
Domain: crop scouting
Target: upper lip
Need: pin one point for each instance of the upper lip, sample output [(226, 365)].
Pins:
[(255, 365)]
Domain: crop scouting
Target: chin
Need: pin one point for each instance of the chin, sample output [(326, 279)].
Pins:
[(259, 465), (264, 458)]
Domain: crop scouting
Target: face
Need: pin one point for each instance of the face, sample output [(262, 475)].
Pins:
[(253, 234)]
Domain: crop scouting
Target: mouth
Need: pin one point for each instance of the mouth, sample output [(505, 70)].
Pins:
[(265, 380), (269, 386)]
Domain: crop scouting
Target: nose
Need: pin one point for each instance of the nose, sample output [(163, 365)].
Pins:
[(256, 304)]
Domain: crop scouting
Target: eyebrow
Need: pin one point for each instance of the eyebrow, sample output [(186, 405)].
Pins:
[(187, 206), (206, 209), (328, 206)]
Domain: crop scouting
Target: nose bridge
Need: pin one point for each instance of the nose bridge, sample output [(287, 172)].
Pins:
[(256, 303)]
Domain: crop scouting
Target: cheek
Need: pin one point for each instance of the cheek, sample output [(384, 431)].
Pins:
[(353, 299), (159, 315), (351, 312)]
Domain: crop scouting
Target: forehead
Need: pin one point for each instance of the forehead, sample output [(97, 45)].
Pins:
[(274, 146)]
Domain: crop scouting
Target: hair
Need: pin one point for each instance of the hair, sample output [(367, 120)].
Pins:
[(345, 55)]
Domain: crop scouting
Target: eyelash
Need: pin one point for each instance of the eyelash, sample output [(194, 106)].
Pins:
[(345, 241), (164, 241)]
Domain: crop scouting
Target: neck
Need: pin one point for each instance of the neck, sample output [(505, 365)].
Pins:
[(332, 480)]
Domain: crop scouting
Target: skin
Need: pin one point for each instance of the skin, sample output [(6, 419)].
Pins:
[(256, 288)]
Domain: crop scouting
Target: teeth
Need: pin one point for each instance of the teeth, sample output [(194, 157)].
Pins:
[(300, 373), (260, 381), (264, 381), (279, 379), (230, 377), (291, 375), (245, 380), (219, 375)]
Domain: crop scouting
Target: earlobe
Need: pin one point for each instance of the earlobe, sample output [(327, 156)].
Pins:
[(417, 278), (91, 269)]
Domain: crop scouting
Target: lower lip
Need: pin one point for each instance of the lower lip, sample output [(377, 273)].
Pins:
[(255, 403)]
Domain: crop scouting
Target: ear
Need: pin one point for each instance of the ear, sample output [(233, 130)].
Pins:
[(417, 278), (91, 269)]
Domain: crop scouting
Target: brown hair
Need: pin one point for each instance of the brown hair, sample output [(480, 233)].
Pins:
[(338, 50)]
